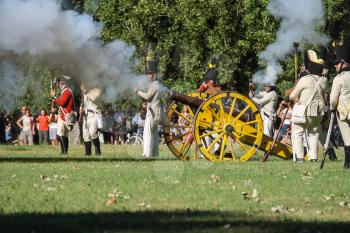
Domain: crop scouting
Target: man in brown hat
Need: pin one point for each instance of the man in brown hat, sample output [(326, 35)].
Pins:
[(340, 96)]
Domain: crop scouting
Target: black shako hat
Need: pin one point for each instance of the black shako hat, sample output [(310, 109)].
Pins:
[(313, 64), (342, 53), (151, 67)]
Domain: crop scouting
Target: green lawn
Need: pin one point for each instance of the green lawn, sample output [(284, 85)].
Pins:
[(41, 191)]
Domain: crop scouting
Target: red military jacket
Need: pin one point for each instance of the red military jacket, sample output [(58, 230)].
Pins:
[(65, 101)]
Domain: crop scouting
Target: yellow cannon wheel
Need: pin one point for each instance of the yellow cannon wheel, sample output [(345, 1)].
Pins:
[(228, 126), (179, 129)]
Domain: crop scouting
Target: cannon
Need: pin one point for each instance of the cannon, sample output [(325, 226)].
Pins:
[(226, 126)]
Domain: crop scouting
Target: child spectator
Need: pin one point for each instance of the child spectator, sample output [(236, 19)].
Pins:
[(43, 130), (53, 126)]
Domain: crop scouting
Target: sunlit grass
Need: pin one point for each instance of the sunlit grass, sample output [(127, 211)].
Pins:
[(39, 180)]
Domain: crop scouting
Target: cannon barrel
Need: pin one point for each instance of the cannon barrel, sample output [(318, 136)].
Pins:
[(196, 103), (185, 99)]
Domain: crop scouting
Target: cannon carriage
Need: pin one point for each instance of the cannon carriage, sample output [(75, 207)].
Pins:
[(226, 126)]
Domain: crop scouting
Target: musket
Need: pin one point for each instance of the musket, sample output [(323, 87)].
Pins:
[(296, 45), (325, 147), (267, 154), (53, 87)]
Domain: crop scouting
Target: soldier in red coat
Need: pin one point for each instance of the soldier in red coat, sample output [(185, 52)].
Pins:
[(66, 104)]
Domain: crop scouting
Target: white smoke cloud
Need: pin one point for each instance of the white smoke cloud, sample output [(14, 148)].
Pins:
[(299, 22), (67, 41), (11, 86)]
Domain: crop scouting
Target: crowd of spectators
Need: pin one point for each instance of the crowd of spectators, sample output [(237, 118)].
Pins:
[(26, 128)]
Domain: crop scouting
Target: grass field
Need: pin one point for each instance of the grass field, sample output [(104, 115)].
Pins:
[(41, 191)]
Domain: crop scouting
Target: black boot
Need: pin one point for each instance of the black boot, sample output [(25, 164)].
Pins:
[(61, 141), (96, 143), (87, 148), (65, 143), (347, 157), (331, 154)]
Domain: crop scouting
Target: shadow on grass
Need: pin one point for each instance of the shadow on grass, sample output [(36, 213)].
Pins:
[(160, 221), (78, 159)]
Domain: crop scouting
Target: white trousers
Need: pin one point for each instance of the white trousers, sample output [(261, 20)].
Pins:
[(150, 137), (268, 125), (62, 129), (312, 129), (344, 127), (90, 127)]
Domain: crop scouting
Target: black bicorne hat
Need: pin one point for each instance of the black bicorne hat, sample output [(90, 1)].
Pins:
[(61, 78), (151, 67), (313, 64), (342, 53)]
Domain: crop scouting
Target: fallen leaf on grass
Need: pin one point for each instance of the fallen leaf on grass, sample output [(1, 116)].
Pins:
[(111, 201), (126, 197), (215, 178), (64, 177), (76, 168), (35, 185), (227, 226), (306, 175), (113, 195), (319, 212), (142, 204), (13, 176), (245, 195), (328, 198), (255, 193), (344, 204), (248, 182), (51, 189), (281, 209)]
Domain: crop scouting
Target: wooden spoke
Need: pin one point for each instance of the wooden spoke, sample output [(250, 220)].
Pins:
[(232, 150), (241, 144), (246, 123), (183, 147), (215, 141), (184, 117), (242, 112), (191, 112), (221, 107), (247, 134), (179, 137), (232, 108), (205, 124), (214, 113), (223, 145), (210, 133)]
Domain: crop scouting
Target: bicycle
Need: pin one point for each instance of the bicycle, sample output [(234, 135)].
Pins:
[(136, 138)]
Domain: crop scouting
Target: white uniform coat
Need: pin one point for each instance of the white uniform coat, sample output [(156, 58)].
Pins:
[(154, 116), (267, 102), (301, 93), (90, 126), (340, 100)]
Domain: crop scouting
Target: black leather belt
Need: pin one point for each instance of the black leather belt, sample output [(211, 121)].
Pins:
[(91, 111)]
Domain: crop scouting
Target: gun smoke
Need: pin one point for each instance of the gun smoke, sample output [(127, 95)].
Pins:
[(300, 20), (65, 41)]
